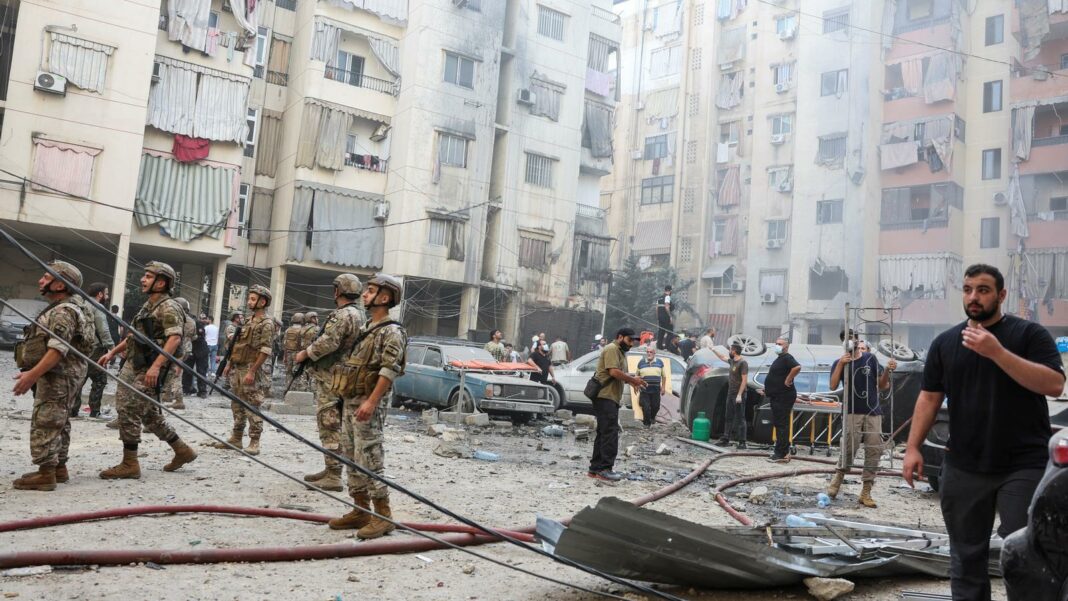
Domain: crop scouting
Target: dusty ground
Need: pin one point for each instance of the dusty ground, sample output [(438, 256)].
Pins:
[(525, 483)]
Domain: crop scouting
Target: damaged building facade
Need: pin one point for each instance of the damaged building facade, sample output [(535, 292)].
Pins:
[(457, 144), (791, 159)]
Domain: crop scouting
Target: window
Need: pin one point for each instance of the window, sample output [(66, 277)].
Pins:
[(786, 25), (827, 282), (685, 249), (834, 83), (539, 170), (252, 120), (782, 74), (990, 232), (263, 44), (242, 209), (1058, 204), (436, 231), (533, 252), (459, 70), (777, 230), (920, 9), (772, 281), (728, 132), (432, 358), (213, 20), (782, 125), (835, 20), (657, 190), (828, 211), (665, 61), (352, 145), (992, 163), (724, 284), (278, 64), (1064, 61), (832, 150), (992, 96), (658, 147), (349, 69), (551, 23), (452, 150), (995, 30), (769, 334)]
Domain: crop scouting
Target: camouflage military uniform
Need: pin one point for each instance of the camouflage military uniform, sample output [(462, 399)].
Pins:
[(257, 336), (135, 411), (57, 389), (291, 344), (307, 336), (381, 354), (339, 333), (173, 392)]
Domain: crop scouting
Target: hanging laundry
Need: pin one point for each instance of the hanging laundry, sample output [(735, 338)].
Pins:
[(211, 47), (187, 150)]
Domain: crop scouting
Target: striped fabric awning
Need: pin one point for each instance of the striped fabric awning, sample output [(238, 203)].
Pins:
[(186, 200), (724, 324), (662, 103), (730, 189), (652, 237)]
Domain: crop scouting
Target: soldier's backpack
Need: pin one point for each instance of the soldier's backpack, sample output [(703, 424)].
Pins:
[(291, 343)]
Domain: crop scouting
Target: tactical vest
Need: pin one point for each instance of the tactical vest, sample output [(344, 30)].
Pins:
[(31, 350), (291, 342), (308, 335), (329, 360), (244, 353), (356, 377), (144, 355)]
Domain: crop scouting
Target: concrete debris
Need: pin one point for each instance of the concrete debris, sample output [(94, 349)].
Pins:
[(453, 435), (469, 568), (564, 414), (573, 455), (452, 450), (759, 495), (501, 424), (631, 450), (408, 438), (663, 449), (826, 589), (437, 429), (30, 571), (477, 419), (430, 416), (353, 577), (586, 420), (582, 433)]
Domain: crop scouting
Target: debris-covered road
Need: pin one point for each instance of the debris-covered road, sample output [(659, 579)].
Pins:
[(536, 474)]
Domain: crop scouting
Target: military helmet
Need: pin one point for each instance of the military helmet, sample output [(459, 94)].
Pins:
[(348, 284), (236, 314), (68, 271), (297, 319), (311, 316), (262, 292), (183, 303), (391, 283)]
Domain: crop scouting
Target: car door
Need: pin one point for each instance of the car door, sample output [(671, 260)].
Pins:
[(413, 371), (430, 386), (582, 371)]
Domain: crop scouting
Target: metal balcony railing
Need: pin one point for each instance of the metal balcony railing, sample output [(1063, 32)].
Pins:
[(921, 224), (605, 14), (588, 211), (368, 162), (359, 80), (1050, 141), (278, 78), (286, 4)]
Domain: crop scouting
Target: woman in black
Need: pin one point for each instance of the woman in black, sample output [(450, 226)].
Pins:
[(539, 358)]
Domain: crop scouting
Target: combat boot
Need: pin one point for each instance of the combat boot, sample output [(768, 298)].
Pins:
[(128, 469), (317, 475), (113, 424), (62, 475), (378, 526), (177, 405), (235, 440), (865, 496), (355, 519), (253, 447), (182, 455), (331, 481), (836, 484), (43, 479)]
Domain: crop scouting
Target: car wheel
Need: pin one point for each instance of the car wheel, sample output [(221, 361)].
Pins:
[(933, 481), (896, 350), (396, 400), (751, 347), (558, 401), (466, 405)]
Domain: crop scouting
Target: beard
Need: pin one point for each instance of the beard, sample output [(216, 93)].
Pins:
[(978, 313)]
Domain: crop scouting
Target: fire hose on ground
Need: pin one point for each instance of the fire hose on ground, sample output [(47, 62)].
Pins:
[(456, 534)]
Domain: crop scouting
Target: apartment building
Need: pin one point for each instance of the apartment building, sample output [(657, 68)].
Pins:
[(457, 143), (832, 153)]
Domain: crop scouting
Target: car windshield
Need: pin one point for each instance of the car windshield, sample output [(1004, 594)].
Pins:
[(467, 353), (28, 306)]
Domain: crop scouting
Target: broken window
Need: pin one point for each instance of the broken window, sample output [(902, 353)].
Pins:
[(782, 75), (724, 284), (547, 97), (828, 211), (834, 83), (781, 178), (533, 252), (728, 132), (773, 281), (920, 9), (827, 282), (83, 63), (252, 121), (786, 25)]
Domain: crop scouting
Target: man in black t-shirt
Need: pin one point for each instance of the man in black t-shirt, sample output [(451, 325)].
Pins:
[(664, 319), (539, 358), (996, 370), (779, 388), (687, 346), (734, 410)]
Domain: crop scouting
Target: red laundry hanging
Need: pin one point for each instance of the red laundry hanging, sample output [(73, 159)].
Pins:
[(188, 149)]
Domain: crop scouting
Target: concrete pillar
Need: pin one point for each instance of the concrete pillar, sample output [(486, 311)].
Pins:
[(192, 285), (219, 290), (468, 310), (122, 260), (510, 326), (278, 290)]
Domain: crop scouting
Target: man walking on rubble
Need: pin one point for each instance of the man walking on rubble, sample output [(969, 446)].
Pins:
[(364, 382), (996, 371), (249, 372), (47, 362), (160, 320), (325, 351), (611, 374), (864, 422)]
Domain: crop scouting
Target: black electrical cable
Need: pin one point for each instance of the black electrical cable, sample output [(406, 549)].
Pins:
[(344, 460)]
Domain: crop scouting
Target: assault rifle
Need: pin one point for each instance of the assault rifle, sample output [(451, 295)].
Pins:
[(298, 371), (226, 358)]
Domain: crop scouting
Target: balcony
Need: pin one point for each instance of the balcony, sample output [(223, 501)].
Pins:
[(359, 80), (366, 162), (1048, 155), (591, 165)]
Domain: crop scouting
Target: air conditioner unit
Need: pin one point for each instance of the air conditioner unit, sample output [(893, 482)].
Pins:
[(738, 285), (777, 139), (1040, 74), (769, 298), (726, 66), (788, 33), (773, 244), (1000, 199), (459, 3), (155, 72), (525, 96), (637, 155), (51, 83), (380, 133), (382, 211), (782, 87)]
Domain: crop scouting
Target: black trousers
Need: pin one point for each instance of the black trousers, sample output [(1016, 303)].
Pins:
[(734, 418), (650, 404), (606, 444), (96, 391), (781, 406), (663, 335), (969, 500)]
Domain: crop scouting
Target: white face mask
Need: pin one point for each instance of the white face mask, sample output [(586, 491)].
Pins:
[(778, 349)]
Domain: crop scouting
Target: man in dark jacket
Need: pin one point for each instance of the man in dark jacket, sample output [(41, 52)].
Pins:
[(779, 388)]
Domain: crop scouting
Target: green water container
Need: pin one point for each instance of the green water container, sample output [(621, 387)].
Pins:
[(701, 427)]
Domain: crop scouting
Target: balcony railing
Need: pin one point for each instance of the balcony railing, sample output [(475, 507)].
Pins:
[(1057, 216), (607, 15), (286, 4), (1050, 141), (278, 78), (368, 162), (921, 224), (588, 211), (358, 79), (920, 24)]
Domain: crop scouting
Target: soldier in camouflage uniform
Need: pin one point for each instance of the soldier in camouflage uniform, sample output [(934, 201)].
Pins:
[(161, 320), (173, 393), (291, 344), (364, 381), (308, 335), (103, 343), (57, 373), (248, 370), (325, 351)]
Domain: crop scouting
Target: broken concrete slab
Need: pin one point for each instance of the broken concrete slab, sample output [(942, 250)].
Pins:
[(663, 449), (477, 419), (452, 450), (582, 433), (759, 495), (827, 589), (437, 429), (501, 424), (300, 398), (430, 416), (564, 414), (626, 419), (453, 435), (586, 420)]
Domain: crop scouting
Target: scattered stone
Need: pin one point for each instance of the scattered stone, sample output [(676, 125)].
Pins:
[(582, 433), (353, 577), (11, 595), (28, 571), (574, 455), (564, 414), (631, 450), (758, 495), (663, 450), (469, 568), (430, 416), (437, 429), (452, 450), (585, 420), (826, 589), (477, 419), (501, 424), (408, 438), (453, 435)]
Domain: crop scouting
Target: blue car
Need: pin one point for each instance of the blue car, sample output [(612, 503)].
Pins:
[(429, 378)]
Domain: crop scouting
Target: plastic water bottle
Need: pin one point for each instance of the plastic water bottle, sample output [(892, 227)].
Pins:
[(823, 500), (486, 456), (799, 522), (553, 430)]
